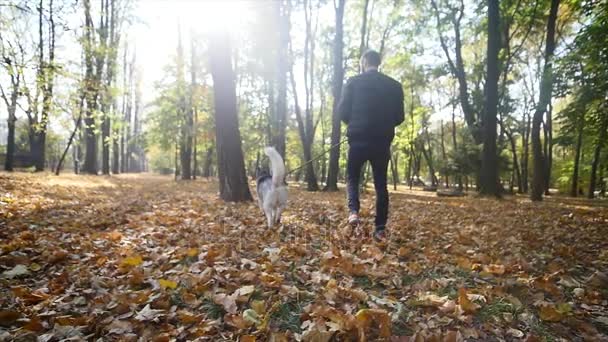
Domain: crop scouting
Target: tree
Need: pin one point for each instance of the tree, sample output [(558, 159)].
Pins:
[(456, 63), (184, 109), (337, 81), (231, 166), (546, 87), (306, 127), (489, 159), (39, 116), (12, 61), (283, 16)]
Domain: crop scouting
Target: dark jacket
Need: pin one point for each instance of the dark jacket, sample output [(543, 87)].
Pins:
[(371, 106)]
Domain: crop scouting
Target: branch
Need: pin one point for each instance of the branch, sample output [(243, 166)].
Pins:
[(441, 38)]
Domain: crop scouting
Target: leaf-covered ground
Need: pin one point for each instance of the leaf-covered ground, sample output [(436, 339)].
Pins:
[(144, 257)]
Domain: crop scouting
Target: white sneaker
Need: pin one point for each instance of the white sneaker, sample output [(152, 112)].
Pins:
[(353, 219)]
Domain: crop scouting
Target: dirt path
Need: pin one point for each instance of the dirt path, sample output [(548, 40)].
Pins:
[(91, 257)]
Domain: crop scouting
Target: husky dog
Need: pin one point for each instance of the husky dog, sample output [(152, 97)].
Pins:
[(272, 192)]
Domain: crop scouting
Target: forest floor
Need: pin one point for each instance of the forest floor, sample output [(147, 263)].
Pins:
[(142, 256)]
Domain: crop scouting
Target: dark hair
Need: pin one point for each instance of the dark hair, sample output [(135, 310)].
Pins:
[(372, 58)]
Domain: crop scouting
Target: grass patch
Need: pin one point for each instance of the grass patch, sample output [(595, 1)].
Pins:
[(213, 310), (487, 311), (287, 316), (363, 282), (450, 291), (542, 330)]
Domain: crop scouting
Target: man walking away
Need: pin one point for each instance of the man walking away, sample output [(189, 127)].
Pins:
[(371, 106)]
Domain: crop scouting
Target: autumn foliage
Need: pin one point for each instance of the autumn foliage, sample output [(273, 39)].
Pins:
[(131, 257)]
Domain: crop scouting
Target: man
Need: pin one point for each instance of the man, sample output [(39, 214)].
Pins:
[(371, 106)]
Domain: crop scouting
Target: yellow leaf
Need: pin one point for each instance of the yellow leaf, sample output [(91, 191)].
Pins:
[(258, 306), (167, 284), (550, 314), (192, 252), (134, 260)]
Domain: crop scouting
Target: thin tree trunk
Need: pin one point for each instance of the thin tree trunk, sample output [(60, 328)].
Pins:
[(597, 155), (577, 156), (526, 149), (278, 140), (444, 156), (549, 148), (363, 45)]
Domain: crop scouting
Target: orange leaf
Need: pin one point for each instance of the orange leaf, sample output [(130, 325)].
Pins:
[(8, 317), (465, 303), (495, 269), (247, 338), (366, 317)]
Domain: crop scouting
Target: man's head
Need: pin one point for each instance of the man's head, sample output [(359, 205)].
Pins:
[(370, 60)]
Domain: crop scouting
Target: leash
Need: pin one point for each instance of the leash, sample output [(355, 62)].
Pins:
[(317, 157)]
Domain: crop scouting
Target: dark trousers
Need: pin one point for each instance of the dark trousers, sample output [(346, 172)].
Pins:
[(378, 154)]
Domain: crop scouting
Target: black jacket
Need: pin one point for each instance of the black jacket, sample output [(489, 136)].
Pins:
[(371, 106)]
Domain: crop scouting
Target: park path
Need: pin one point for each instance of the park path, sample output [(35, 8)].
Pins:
[(89, 257)]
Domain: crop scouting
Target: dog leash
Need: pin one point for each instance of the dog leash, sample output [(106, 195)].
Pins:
[(317, 157)]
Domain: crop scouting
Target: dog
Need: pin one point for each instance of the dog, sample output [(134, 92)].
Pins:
[(271, 188)]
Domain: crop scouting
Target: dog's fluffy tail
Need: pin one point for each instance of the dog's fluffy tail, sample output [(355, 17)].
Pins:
[(277, 165)]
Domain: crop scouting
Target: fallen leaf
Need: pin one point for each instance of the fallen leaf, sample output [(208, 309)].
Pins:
[(550, 313), (148, 314), (167, 284), (7, 318), (366, 317), (17, 271), (465, 303), (134, 260)]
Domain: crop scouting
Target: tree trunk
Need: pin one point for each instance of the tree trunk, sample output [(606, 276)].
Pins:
[(208, 162), (394, 168), (597, 155), (577, 156), (306, 126), (490, 184), (231, 166), (526, 149), (337, 80), (363, 45), (278, 140), (549, 148), (444, 156), (516, 168), (457, 68), (546, 87)]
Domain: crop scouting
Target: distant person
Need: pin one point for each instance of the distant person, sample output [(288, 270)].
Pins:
[(371, 106)]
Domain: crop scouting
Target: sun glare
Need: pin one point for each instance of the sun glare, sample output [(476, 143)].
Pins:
[(212, 15)]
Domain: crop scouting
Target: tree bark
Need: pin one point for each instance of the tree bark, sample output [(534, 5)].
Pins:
[(490, 184), (546, 87), (283, 13), (337, 80), (11, 106), (549, 148), (577, 154), (231, 166), (597, 155), (185, 108)]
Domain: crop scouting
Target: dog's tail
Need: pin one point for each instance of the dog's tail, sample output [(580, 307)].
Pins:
[(277, 165)]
